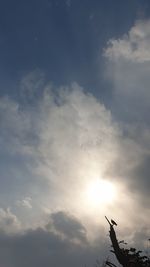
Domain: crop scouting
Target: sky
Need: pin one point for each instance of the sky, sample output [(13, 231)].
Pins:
[(74, 129)]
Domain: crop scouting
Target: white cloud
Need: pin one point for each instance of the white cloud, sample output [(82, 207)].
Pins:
[(15, 125), (66, 139), (26, 202), (133, 46), (128, 68), (9, 223)]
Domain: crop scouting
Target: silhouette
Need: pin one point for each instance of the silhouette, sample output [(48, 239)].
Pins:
[(126, 257), (113, 222)]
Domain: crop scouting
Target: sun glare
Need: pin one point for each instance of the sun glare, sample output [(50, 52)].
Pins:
[(100, 192)]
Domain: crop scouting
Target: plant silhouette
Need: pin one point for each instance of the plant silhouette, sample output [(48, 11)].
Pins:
[(126, 257)]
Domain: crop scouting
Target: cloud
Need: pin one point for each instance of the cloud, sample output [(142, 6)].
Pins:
[(44, 246), (141, 237), (15, 124), (52, 148), (9, 223), (68, 226), (54, 244), (56, 248), (128, 67), (26, 202), (134, 46), (31, 85), (60, 142)]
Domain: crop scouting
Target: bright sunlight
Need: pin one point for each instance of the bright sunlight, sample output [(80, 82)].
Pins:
[(100, 192)]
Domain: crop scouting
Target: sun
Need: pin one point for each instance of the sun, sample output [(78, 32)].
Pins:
[(100, 192)]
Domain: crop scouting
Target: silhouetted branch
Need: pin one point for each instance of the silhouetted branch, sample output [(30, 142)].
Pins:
[(126, 257)]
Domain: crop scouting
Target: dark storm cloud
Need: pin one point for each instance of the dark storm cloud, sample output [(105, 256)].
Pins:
[(46, 247), (69, 226)]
